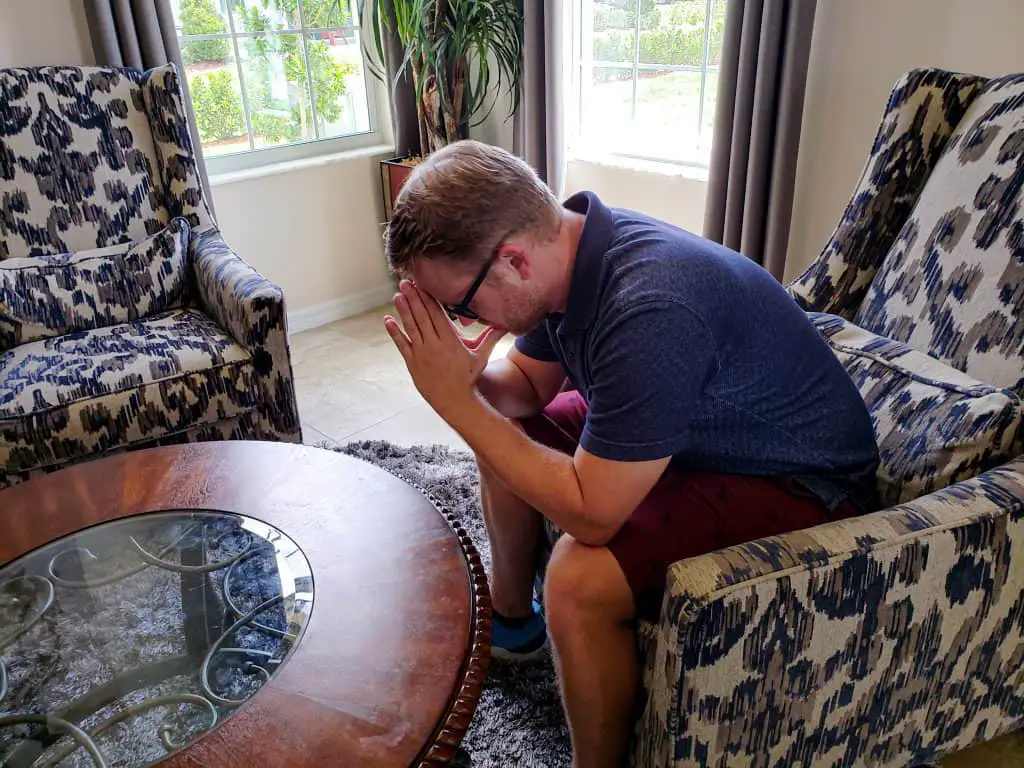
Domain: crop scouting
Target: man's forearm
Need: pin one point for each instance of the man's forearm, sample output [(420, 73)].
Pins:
[(508, 390), (544, 478)]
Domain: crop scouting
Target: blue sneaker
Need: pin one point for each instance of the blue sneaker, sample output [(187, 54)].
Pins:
[(523, 642)]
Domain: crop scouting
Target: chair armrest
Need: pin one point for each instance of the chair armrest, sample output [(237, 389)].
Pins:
[(240, 299), (883, 639), (252, 310), (923, 110)]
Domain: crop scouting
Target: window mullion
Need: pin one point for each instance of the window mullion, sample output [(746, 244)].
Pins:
[(704, 69), (580, 72), (241, 80), (309, 71), (243, 34), (200, 38), (636, 57)]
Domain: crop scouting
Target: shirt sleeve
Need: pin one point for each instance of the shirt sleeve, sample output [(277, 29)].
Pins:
[(649, 369), (537, 344)]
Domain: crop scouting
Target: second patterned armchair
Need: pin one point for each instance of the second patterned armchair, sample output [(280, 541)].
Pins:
[(125, 319)]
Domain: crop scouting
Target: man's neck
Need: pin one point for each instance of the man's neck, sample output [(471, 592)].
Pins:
[(567, 243)]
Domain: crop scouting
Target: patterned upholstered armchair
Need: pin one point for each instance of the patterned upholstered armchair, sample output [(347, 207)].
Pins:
[(894, 638), (125, 320)]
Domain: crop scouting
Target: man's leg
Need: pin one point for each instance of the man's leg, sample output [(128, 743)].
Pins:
[(513, 528), (592, 594), (589, 607)]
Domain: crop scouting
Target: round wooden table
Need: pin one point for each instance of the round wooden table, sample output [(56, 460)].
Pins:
[(390, 667)]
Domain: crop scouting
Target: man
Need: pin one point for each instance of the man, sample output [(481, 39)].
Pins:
[(704, 409)]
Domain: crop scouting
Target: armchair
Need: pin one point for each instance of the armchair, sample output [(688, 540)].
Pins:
[(125, 319), (897, 637)]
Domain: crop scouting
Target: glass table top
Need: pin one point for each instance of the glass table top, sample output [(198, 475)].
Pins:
[(124, 642)]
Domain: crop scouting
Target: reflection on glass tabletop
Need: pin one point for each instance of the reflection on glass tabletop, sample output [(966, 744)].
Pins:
[(124, 642)]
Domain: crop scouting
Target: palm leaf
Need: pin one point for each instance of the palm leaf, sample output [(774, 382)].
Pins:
[(480, 39), (375, 65)]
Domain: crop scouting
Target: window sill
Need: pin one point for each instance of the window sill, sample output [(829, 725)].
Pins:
[(660, 167), (288, 166)]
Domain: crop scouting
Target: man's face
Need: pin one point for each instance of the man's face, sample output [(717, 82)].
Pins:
[(504, 299)]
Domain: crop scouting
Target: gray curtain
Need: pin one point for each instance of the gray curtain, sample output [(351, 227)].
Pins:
[(404, 119), (141, 34), (539, 136), (757, 127)]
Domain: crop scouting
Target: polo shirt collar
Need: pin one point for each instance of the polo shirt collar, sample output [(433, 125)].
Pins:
[(586, 272)]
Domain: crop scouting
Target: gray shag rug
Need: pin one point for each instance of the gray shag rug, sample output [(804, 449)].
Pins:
[(519, 719)]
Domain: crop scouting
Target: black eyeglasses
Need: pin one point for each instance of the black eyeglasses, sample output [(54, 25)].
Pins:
[(462, 308)]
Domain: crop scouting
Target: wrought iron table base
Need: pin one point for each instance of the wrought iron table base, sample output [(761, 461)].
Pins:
[(210, 617)]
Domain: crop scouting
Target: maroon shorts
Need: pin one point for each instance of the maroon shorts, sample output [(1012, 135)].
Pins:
[(686, 513)]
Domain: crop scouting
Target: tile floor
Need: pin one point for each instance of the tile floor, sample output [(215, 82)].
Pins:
[(351, 385)]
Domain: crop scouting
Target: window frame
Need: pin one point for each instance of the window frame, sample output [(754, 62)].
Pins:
[(259, 157), (582, 64)]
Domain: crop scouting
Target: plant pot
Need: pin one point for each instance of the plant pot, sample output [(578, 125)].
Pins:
[(393, 175)]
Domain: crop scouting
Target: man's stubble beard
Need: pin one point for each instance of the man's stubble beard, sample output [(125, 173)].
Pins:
[(524, 314)]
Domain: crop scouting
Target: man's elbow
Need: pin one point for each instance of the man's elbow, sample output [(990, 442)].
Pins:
[(596, 538), (598, 531)]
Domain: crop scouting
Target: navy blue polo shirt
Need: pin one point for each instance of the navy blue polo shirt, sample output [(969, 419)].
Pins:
[(684, 348)]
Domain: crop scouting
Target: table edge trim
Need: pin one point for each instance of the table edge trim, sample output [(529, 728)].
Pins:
[(441, 749)]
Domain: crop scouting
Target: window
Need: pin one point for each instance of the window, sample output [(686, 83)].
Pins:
[(272, 74), (646, 73)]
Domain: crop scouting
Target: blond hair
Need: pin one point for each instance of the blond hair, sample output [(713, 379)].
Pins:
[(462, 201)]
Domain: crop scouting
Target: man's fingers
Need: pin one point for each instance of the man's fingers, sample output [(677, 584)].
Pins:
[(398, 336), (437, 315), (418, 306), (412, 329), (488, 341)]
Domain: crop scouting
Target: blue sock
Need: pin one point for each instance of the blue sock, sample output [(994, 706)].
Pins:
[(523, 634), (514, 623)]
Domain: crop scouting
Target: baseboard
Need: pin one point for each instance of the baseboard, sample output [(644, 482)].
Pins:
[(307, 318)]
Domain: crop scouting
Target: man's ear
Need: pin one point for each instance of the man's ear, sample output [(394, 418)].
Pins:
[(517, 257)]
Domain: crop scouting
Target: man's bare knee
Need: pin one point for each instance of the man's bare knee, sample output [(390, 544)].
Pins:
[(588, 579)]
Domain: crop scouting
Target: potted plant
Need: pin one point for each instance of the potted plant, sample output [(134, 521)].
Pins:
[(459, 55)]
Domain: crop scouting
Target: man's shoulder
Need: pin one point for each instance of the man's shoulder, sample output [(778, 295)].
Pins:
[(650, 262), (690, 280), (663, 254)]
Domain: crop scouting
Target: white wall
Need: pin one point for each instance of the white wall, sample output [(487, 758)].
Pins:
[(315, 230), (497, 127), (39, 32), (671, 193), (859, 50)]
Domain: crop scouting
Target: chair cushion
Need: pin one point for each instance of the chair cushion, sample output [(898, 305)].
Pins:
[(952, 285), (934, 424), (86, 392), (48, 296), (77, 161)]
